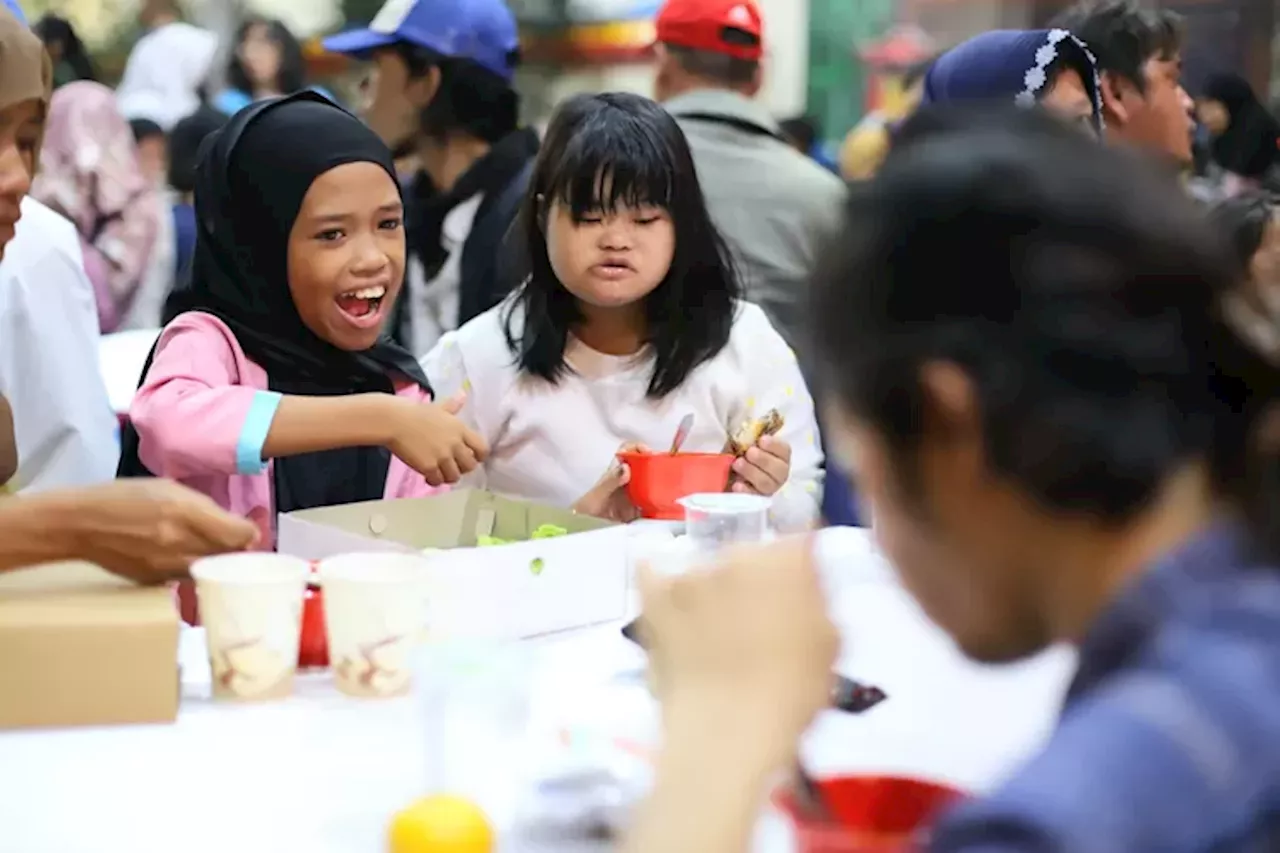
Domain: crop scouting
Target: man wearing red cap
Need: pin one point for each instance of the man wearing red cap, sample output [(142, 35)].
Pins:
[(772, 203)]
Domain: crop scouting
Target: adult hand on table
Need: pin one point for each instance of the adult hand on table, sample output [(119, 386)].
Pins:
[(147, 530), (748, 636), (608, 497)]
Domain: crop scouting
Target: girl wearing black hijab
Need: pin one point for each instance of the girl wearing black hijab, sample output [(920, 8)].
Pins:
[(1245, 135), (273, 387)]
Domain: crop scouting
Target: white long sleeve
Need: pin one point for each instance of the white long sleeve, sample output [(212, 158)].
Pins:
[(65, 428), (551, 443)]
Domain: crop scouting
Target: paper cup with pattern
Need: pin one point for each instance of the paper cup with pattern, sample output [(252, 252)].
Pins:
[(376, 613), (251, 608)]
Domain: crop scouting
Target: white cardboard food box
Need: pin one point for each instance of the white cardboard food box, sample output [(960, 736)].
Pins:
[(522, 589)]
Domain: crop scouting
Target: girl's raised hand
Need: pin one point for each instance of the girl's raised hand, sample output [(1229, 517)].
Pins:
[(432, 440)]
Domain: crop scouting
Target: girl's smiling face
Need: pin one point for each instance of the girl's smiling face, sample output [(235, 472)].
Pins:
[(610, 258), (347, 254)]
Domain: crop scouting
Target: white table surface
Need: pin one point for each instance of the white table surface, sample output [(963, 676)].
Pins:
[(321, 773)]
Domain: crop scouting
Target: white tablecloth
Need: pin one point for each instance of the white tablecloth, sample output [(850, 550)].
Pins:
[(321, 773)]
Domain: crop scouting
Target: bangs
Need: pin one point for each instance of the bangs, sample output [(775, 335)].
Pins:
[(607, 165)]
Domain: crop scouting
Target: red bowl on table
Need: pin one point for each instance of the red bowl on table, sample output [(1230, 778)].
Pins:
[(868, 814), (660, 480)]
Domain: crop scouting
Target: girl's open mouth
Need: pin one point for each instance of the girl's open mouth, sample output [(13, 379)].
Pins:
[(362, 307)]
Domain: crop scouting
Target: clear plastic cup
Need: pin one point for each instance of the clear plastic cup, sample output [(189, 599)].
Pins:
[(251, 608), (376, 613), (475, 697), (721, 519)]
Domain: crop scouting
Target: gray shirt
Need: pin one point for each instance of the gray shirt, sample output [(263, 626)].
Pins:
[(773, 204)]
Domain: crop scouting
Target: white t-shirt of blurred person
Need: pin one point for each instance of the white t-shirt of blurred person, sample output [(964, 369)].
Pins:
[(66, 432)]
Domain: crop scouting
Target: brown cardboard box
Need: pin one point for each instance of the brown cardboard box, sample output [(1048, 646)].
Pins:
[(79, 646)]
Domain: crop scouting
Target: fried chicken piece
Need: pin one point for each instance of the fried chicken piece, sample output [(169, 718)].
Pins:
[(752, 431)]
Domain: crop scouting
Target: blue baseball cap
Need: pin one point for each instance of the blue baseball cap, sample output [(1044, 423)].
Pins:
[(12, 6), (483, 31)]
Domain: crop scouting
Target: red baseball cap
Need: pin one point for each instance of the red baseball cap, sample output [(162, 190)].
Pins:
[(710, 25)]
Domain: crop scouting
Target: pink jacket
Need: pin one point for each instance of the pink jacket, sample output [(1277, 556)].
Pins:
[(203, 414)]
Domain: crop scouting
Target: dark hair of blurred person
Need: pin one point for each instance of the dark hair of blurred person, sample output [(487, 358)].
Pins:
[(267, 62), (184, 155), (70, 58), (1244, 135), (153, 148), (1139, 55), (801, 131)]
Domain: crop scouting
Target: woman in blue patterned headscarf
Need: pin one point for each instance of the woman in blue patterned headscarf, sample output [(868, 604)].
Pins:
[(1048, 67)]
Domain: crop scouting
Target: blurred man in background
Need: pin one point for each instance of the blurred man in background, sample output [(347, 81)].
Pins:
[(1139, 54), (773, 204), (442, 91)]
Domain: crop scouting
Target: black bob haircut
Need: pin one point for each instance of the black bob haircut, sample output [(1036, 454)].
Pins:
[(292, 75), (1089, 321), (602, 152)]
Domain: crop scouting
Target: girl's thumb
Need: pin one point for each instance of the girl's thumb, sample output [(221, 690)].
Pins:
[(455, 403)]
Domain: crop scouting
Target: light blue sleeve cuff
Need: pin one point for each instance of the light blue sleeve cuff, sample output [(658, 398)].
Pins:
[(257, 423)]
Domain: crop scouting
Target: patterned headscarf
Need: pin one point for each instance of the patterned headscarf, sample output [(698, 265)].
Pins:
[(90, 173), (1016, 65)]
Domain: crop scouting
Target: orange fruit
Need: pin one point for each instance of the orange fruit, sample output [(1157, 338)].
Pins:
[(441, 824)]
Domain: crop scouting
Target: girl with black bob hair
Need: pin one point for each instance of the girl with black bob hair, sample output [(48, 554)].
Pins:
[(1078, 442), (629, 318)]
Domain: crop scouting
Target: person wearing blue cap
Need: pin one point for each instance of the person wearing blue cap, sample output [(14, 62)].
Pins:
[(441, 92)]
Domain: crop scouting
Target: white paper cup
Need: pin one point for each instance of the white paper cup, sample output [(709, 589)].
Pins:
[(376, 613), (251, 608)]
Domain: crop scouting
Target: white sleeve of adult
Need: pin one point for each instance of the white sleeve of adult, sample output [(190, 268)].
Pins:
[(66, 432)]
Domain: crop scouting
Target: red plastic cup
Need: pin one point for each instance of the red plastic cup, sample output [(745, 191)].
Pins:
[(868, 814), (660, 480), (313, 648)]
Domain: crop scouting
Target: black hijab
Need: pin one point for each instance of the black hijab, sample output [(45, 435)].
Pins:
[(250, 183), (1248, 146)]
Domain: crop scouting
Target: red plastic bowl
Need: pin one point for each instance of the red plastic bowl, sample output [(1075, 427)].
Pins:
[(660, 480), (869, 814)]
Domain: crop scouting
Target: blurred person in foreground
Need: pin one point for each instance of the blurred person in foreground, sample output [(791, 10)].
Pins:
[(1079, 446), (865, 147), (1139, 55), (146, 531), (442, 89), (772, 203)]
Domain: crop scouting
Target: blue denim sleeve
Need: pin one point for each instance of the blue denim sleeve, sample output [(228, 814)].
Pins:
[(1181, 753)]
